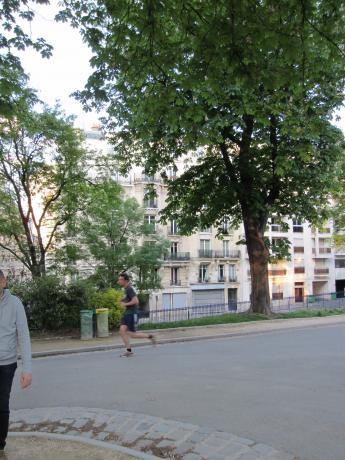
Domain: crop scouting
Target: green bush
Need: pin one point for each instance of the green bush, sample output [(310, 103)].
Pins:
[(50, 304), (110, 298)]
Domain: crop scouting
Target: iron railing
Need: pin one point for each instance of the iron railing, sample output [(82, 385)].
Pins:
[(333, 300)]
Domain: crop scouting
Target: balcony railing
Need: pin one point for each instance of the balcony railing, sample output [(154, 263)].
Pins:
[(321, 271), (221, 279), (203, 280), (299, 270), (177, 256), (281, 272), (150, 204), (325, 250), (227, 254), (175, 282), (206, 253), (148, 179)]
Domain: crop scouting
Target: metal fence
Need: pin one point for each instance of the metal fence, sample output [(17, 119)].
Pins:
[(288, 304)]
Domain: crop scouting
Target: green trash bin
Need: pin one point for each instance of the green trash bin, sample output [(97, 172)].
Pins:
[(86, 324), (311, 298), (102, 322)]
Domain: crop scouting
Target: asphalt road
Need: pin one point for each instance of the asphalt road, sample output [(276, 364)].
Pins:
[(285, 388)]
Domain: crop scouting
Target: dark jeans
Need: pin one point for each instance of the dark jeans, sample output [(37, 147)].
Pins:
[(6, 379)]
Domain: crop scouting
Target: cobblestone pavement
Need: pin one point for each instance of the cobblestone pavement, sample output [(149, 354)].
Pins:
[(157, 436)]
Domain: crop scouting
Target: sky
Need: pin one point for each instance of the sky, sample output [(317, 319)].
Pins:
[(68, 69), (63, 73)]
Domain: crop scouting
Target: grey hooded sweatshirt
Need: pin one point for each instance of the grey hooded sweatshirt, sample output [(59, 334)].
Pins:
[(14, 329)]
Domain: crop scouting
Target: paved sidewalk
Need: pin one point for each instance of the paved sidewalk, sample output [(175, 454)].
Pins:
[(63, 345), (153, 435)]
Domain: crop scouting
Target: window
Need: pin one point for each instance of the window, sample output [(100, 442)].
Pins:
[(277, 295), (151, 221), (203, 273), (299, 270), (226, 248), (275, 227), (276, 242), (339, 263), (221, 273), (225, 225), (205, 248), (206, 230), (232, 273), (174, 228), (149, 201), (173, 248), (174, 276), (172, 172), (297, 226)]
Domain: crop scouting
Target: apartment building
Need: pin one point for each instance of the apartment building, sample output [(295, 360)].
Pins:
[(203, 269)]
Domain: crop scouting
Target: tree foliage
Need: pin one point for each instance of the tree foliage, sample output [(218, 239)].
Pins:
[(111, 236), (14, 14), (41, 168), (250, 87)]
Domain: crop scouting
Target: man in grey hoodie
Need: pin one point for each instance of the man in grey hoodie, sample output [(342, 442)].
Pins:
[(13, 329)]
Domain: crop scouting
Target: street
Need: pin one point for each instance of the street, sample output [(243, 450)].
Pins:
[(284, 389)]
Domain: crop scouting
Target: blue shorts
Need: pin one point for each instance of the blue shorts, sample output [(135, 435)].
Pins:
[(130, 320)]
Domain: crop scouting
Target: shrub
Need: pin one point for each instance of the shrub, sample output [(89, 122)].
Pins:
[(110, 298), (50, 304)]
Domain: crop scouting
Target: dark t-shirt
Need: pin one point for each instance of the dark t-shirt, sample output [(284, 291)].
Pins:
[(130, 293)]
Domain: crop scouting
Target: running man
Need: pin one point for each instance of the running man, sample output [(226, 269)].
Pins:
[(130, 317)]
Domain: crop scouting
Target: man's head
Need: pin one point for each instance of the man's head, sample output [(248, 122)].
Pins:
[(3, 281), (123, 279)]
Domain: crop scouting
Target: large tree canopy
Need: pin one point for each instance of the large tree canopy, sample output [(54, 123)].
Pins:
[(250, 86)]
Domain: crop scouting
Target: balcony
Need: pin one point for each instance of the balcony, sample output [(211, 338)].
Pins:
[(325, 250), (299, 270), (148, 179), (227, 254), (321, 271), (203, 280), (206, 253), (150, 204), (281, 272), (179, 256), (221, 279)]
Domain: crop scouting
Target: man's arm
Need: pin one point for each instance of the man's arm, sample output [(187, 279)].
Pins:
[(134, 301), (25, 345)]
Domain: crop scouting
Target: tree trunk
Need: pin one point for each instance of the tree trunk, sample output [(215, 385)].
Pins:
[(258, 260), (38, 269)]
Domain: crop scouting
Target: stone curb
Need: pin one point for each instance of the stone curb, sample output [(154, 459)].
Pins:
[(82, 440), (151, 435)]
